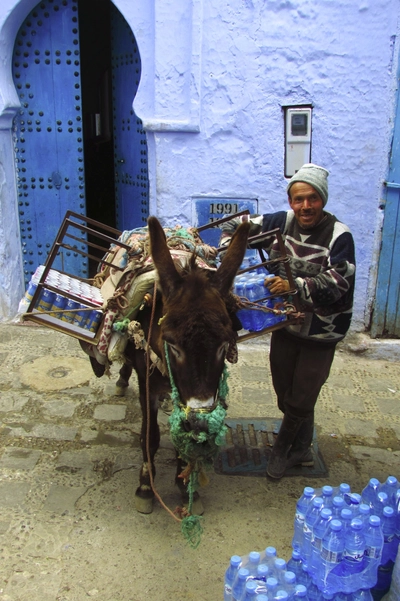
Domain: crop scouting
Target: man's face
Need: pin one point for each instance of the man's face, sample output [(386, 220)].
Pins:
[(306, 204)]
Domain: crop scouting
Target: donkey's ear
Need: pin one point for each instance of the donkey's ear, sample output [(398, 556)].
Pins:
[(223, 278), (168, 276)]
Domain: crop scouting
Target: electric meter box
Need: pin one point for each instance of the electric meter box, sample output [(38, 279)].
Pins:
[(297, 138)]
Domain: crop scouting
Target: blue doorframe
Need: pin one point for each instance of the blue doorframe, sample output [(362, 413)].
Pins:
[(386, 314)]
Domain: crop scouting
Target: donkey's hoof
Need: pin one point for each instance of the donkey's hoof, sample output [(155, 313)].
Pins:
[(143, 505), (120, 390)]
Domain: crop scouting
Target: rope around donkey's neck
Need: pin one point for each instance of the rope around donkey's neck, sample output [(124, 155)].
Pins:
[(197, 449)]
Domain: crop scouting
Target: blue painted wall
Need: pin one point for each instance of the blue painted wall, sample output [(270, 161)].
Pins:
[(215, 76)]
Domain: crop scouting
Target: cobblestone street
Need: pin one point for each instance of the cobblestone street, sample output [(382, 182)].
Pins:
[(70, 457)]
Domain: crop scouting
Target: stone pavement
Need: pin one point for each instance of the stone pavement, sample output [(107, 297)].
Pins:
[(69, 452)]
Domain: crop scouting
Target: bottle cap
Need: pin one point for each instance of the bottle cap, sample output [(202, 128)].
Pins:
[(338, 501), (280, 563), (356, 524), (254, 556), (374, 520), (308, 491), (336, 525), (346, 514), (262, 570), (364, 509), (290, 577), (243, 573), (388, 511), (236, 560), (251, 586), (327, 490)]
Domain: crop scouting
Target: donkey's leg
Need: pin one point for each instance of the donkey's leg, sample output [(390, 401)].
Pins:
[(144, 494), (197, 506), (123, 381)]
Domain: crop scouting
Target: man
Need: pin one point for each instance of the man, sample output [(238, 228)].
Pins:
[(322, 261)]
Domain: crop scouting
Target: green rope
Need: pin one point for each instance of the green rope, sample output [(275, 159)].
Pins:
[(199, 446), (121, 326)]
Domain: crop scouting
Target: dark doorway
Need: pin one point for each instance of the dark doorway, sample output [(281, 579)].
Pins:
[(95, 47)]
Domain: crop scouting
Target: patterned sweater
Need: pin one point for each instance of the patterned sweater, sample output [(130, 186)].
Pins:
[(322, 261)]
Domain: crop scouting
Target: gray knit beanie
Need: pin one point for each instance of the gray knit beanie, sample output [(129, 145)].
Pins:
[(316, 176)]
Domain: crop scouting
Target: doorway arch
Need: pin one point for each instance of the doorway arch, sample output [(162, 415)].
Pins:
[(78, 143)]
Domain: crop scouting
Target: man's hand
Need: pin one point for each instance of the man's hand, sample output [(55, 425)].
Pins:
[(277, 285)]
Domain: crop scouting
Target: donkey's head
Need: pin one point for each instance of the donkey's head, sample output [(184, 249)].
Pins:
[(197, 326)]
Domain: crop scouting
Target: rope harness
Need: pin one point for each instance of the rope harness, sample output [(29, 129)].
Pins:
[(198, 450), (197, 447)]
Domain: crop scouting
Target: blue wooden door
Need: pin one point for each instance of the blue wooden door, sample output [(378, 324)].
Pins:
[(130, 146), (48, 139), (386, 314)]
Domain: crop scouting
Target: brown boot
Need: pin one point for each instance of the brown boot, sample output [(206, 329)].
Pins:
[(278, 459)]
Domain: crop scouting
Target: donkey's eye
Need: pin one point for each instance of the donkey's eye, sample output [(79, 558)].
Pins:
[(175, 350), (222, 350)]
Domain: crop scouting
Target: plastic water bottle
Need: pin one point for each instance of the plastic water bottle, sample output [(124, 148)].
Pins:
[(354, 549), (239, 586), (281, 595), (331, 554), (269, 558), (381, 502), (272, 588), (327, 496), (243, 314), (304, 577), (262, 572), (309, 521), (295, 563), (353, 500), (319, 530), (301, 510), (337, 505), (252, 563), (300, 592), (230, 576), (258, 320), (364, 511), (289, 583), (279, 570), (313, 592), (370, 492), (390, 544), (373, 542), (346, 516), (344, 489), (250, 590), (390, 488)]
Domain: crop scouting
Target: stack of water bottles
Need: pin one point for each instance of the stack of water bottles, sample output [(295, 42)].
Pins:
[(344, 548), (250, 286), (348, 542), (62, 308), (264, 577)]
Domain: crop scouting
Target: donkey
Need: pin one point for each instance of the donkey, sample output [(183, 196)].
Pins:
[(192, 328)]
